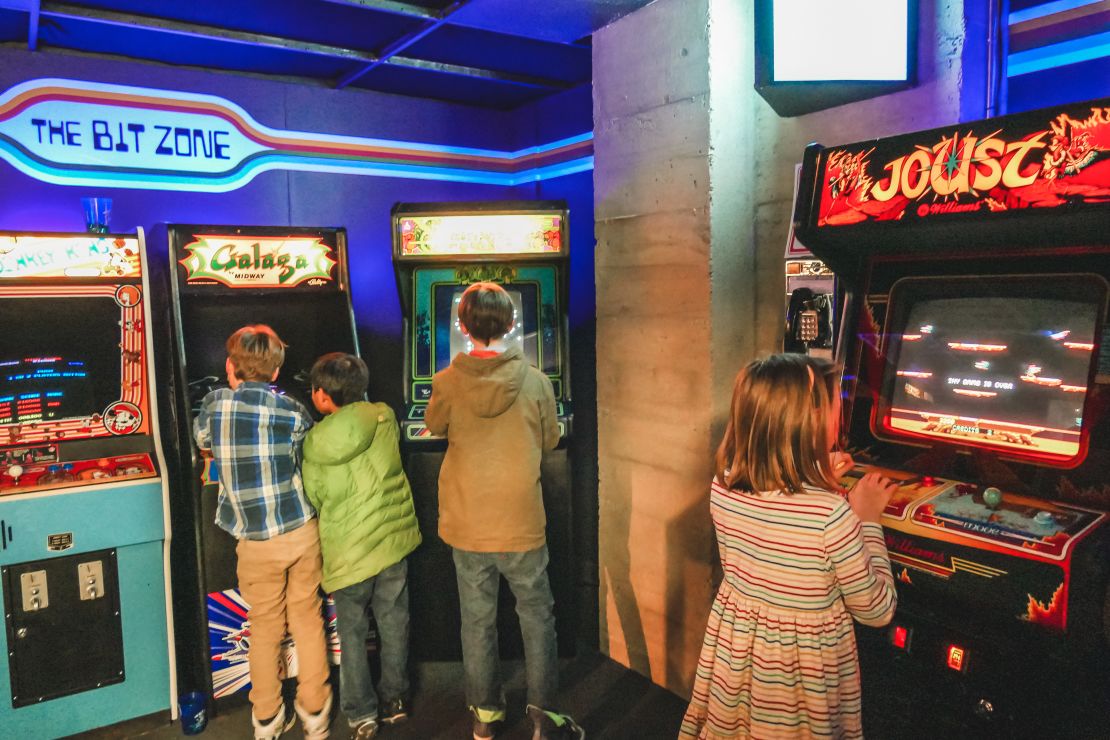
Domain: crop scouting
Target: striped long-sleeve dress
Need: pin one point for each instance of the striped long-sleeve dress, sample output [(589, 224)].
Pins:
[(779, 656)]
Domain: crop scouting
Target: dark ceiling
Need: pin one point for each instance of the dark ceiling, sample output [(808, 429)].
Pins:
[(490, 53)]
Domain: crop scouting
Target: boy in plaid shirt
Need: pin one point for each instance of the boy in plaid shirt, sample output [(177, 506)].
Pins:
[(255, 438)]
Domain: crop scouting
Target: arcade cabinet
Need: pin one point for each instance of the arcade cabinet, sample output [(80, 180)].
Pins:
[(84, 503), (975, 261), (438, 250), (295, 280)]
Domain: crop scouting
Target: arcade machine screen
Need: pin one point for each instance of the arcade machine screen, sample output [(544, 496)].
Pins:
[(68, 364), (1003, 368), (525, 334), (206, 349)]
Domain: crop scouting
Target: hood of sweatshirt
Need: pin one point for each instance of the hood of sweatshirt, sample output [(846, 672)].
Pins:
[(489, 385), (339, 437)]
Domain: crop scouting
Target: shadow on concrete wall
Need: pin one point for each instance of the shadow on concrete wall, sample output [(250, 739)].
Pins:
[(616, 585), (693, 571)]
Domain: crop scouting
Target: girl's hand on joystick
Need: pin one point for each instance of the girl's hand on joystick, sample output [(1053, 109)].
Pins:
[(870, 496)]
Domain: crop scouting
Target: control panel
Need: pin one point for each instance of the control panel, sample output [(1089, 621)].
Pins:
[(35, 469)]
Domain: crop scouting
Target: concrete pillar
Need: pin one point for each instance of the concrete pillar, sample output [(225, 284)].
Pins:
[(693, 183), (654, 329)]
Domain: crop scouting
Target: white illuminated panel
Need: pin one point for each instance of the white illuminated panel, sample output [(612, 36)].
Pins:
[(840, 40)]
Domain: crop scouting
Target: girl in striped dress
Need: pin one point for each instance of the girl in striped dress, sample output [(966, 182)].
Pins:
[(800, 561)]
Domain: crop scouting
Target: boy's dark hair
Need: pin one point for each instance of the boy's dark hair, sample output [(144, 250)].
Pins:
[(486, 311), (257, 352), (343, 377)]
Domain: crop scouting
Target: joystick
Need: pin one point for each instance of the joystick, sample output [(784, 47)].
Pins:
[(992, 497), (1044, 518)]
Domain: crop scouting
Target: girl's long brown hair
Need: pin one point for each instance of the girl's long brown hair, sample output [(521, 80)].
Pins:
[(777, 433)]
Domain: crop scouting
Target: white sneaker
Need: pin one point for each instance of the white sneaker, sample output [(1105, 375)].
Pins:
[(272, 730), (316, 726)]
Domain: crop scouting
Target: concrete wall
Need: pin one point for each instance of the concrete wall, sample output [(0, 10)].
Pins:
[(692, 186)]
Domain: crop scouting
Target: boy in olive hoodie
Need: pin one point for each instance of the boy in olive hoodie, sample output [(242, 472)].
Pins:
[(498, 414), (353, 476)]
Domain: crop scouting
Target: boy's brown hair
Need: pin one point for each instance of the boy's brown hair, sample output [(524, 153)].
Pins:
[(256, 351), (486, 311), (777, 433)]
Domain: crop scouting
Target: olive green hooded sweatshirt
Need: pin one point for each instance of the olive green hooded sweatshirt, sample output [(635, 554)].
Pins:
[(498, 414), (352, 475)]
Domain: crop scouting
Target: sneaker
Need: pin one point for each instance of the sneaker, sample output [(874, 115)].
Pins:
[(316, 726), (395, 711), (366, 730), (553, 726), (273, 727), (487, 722)]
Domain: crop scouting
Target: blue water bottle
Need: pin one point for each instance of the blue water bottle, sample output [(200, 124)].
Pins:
[(194, 712)]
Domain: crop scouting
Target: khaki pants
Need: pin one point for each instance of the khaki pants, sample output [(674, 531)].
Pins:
[(280, 579)]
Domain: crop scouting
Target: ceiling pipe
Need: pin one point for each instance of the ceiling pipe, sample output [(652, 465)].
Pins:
[(998, 52)]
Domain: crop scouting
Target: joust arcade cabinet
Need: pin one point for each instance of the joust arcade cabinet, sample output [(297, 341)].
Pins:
[(293, 279), (439, 249), (975, 260), (84, 506)]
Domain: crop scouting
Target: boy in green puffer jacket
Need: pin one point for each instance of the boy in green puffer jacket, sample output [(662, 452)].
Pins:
[(352, 475)]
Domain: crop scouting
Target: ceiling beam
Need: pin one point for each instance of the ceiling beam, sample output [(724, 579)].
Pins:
[(483, 74), (391, 6), (31, 7), (196, 30), (368, 60), (396, 47)]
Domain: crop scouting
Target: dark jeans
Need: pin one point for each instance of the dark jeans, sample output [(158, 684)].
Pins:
[(387, 594), (478, 574)]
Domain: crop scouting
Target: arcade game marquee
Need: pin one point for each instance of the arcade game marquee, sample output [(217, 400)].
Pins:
[(439, 249), (293, 279), (974, 261), (84, 505)]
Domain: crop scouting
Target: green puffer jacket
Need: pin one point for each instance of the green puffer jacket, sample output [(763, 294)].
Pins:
[(352, 475)]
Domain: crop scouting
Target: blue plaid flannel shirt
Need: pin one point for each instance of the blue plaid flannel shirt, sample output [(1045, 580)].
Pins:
[(255, 436)]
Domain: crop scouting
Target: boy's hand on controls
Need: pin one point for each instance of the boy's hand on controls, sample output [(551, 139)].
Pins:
[(870, 496), (841, 463)]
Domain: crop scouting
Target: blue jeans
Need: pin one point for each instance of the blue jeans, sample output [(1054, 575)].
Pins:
[(478, 575), (387, 594)]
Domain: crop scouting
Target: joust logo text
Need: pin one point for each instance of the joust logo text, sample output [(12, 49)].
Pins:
[(959, 165), (258, 262)]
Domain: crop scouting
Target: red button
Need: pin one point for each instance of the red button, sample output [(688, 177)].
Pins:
[(900, 637), (957, 658)]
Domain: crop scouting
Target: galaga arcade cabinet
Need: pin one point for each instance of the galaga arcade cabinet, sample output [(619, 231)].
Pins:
[(294, 280), (975, 261), (439, 249), (87, 638)]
